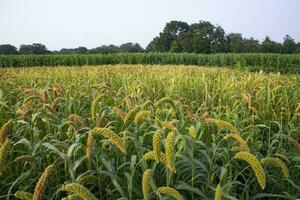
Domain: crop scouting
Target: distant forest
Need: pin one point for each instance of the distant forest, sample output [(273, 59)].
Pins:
[(178, 36)]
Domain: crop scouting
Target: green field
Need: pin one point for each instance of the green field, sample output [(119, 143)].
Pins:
[(285, 63), (131, 132)]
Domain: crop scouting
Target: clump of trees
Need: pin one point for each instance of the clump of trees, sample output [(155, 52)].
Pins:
[(126, 47), (204, 37), (7, 49), (36, 48), (178, 36)]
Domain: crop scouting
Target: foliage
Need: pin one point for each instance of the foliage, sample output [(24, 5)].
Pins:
[(177, 36), (8, 49), (35, 48), (66, 139), (252, 62)]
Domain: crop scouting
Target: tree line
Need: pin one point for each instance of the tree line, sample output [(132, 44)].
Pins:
[(178, 36), (41, 49)]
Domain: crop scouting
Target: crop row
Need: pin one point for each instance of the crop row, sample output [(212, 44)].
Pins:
[(252, 62)]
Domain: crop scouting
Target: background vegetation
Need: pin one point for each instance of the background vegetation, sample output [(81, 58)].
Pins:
[(178, 36), (252, 62)]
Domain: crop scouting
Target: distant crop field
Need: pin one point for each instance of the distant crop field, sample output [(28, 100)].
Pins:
[(131, 132), (284, 63)]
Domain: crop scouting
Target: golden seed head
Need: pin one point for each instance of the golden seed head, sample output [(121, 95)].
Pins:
[(4, 129), (23, 195), (4, 150), (77, 118), (128, 102), (218, 193), (149, 156), (163, 159), (295, 143), (79, 190), (90, 145), (25, 158), (70, 131), (282, 157), (165, 100), (120, 112), (54, 104), (192, 132), (146, 183), (276, 162), (114, 138), (42, 182), (156, 145), (140, 115), (129, 116), (170, 151), (171, 192), (255, 165), (94, 106), (147, 103), (240, 140), (168, 125), (223, 125)]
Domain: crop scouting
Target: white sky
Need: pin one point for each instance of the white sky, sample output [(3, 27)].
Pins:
[(91, 23)]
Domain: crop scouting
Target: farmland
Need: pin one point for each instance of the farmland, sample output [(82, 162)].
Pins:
[(284, 63), (143, 131)]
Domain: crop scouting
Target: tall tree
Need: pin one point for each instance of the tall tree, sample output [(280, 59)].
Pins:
[(35, 48), (171, 32), (252, 45), (202, 35), (269, 46), (105, 49), (218, 42), (289, 45), (79, 50), (8, 49), (131, 47), (235, 43)]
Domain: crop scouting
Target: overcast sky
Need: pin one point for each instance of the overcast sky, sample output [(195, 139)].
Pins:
[(91, 23)]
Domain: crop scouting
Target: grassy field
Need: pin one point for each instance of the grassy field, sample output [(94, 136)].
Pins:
[(131, 132)]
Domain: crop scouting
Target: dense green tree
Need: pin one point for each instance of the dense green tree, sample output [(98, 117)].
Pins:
[(105, 49), (289, 45), (218, 42), (183, 43), (251, 45), (131, 47), (204, 37), (235, 43), (35, 48), (269, 46), (201, 37), (79, 50), (164, 42), (8, 49)]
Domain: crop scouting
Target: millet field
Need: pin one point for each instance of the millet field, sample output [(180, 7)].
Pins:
[(138, 131)]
